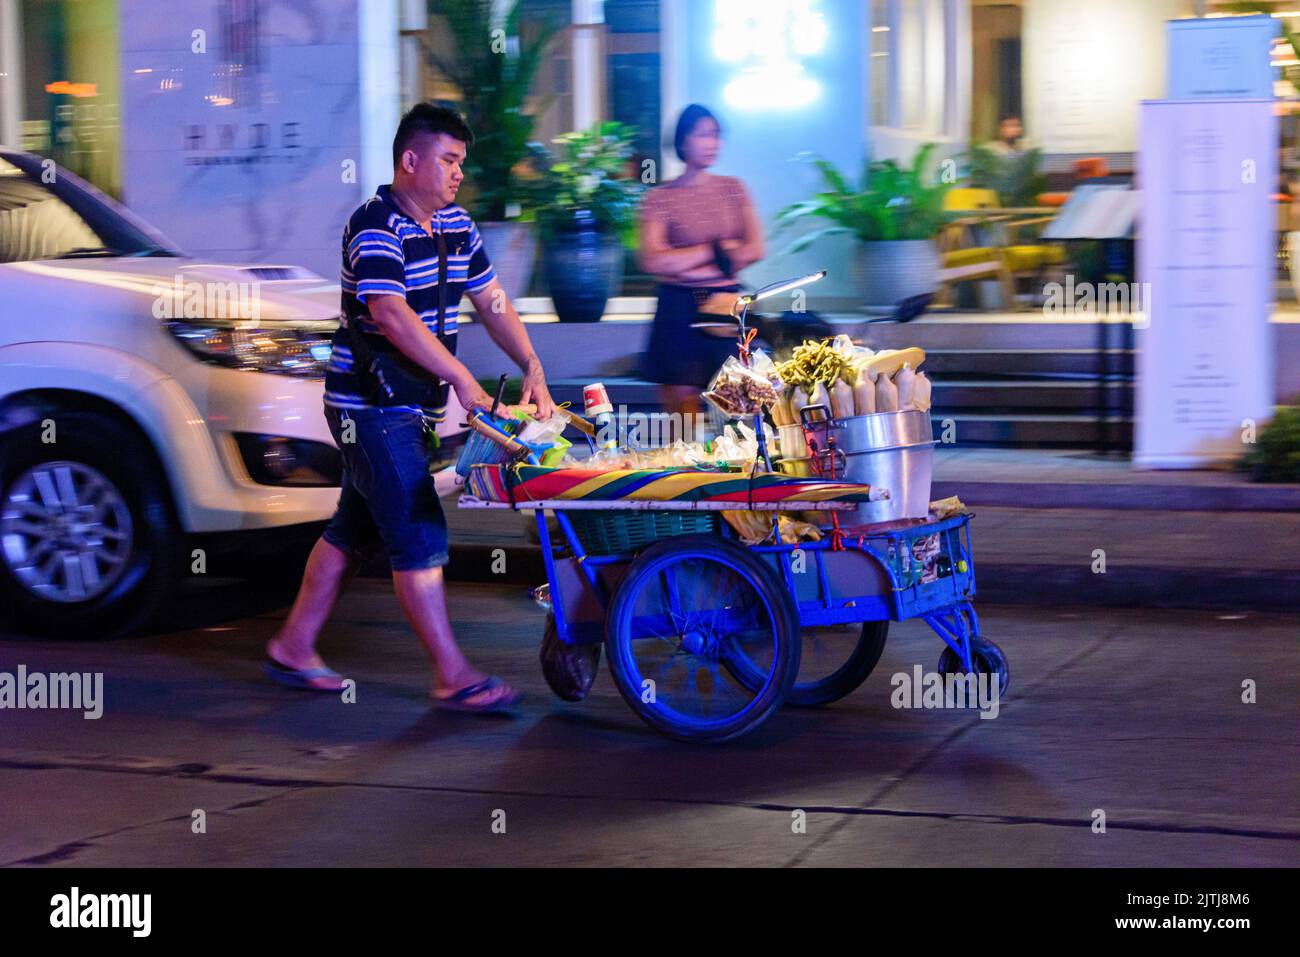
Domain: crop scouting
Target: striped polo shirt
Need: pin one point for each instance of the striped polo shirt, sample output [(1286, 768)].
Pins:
[(385, 252)]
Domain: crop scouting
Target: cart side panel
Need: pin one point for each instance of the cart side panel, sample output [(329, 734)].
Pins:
[(803, 585), (854, 575), (834, 586)]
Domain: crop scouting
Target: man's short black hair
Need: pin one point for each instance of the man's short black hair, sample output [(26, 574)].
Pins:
[(429, 118)]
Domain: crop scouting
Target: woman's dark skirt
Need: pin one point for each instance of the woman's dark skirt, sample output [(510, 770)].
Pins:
[(677, 354)]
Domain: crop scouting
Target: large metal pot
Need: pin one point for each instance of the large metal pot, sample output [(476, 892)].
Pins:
[(893, 450)]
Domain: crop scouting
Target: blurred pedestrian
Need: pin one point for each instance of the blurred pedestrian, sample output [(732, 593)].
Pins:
[(697, 233), (408, 255), (1011, 141)]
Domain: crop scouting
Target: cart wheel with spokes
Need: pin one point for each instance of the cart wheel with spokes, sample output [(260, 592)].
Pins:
[(834, 660), (987, 658), (686, 609)]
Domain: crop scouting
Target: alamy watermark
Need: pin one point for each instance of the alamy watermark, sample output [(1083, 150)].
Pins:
[(81, 691), (129, 911), (652, 430), (184, 299), (1088, 300), (933, 690)]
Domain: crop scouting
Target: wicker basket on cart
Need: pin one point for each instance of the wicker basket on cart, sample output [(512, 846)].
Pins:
[(617, 531)]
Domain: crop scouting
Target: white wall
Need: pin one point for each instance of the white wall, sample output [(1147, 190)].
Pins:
[(1087, 66), (243, 154)]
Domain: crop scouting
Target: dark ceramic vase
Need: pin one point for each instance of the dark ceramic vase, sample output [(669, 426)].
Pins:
[(584, 268)]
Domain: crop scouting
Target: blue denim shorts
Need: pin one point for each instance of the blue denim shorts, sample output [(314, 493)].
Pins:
[(388, 496)]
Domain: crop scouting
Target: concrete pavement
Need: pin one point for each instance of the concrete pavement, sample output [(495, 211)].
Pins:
[(1136, 713)]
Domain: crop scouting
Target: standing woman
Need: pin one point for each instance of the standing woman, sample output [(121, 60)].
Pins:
[(697, 233)]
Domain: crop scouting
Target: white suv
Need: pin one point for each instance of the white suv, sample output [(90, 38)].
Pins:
[(153, 408)]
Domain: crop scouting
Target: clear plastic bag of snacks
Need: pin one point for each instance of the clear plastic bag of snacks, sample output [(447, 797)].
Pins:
[(737, 390)]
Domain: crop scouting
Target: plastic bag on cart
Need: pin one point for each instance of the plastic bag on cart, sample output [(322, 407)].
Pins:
[(761, 363), (736, 390), (739, 443), (678, 455), (756, 527), (543, 431), (947, 508), (569, 670), (844, 345)]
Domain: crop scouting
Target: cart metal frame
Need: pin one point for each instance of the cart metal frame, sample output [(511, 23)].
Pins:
[(945, 604)]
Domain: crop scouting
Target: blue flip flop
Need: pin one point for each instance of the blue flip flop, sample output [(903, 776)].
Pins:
[(300, 678), (459, 700)]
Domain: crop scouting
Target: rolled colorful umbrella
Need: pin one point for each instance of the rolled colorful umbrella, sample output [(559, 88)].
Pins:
[(533, 483)]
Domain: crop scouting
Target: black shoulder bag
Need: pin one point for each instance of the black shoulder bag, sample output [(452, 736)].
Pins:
[(389, 377)]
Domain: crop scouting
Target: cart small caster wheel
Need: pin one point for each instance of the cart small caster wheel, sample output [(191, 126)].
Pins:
[(985, 656), (569, 670)]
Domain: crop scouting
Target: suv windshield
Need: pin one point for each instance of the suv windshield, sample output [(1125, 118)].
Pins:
[(64, 219)]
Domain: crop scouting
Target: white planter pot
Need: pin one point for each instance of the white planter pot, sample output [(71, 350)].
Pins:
[(886, 273), (512, 247)]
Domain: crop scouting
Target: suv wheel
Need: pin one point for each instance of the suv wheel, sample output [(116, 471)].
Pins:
[(88, 545)]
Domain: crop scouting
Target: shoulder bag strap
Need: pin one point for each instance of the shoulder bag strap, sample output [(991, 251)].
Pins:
[(442, 281)]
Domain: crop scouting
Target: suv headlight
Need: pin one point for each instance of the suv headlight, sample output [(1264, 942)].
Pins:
[(284, 351)]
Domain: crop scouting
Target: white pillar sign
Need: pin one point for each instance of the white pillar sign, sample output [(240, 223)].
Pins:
[(1207, 170)]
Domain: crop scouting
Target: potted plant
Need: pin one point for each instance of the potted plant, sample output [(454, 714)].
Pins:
[(494, 73), (894, 213), (1275, 457), (1016, 179), (586, 201)]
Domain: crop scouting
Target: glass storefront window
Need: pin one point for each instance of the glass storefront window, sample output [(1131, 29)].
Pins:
[(912, 60), (882, 47), (633, 72), (995, 68), (552, 88), (71, 91)]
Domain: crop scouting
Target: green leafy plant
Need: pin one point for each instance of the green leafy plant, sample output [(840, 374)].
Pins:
[(1016, 179), (891, 202), (1276, 455), (494, 73), (587, 170)]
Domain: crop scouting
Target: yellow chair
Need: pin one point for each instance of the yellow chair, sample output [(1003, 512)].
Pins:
[(969, 255)]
